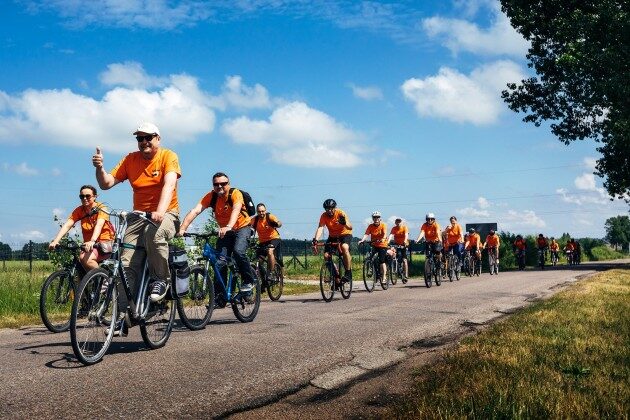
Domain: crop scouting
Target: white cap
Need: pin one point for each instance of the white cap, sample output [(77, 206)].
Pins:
[(147, 127)]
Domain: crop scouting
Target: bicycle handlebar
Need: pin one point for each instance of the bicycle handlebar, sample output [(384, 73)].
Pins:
[(200, 235)]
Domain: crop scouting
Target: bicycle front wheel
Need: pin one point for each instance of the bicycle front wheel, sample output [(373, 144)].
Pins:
[(275, 283), (346, 287), (384, 278), (437, 273), (393, 273), (94, 315), (369, 279), (55, 300), (457, 268), (428, 269), (245, 305), (326, 282), (195, 309), (158, 323)]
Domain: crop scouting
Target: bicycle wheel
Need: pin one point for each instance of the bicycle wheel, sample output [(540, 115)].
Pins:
[(195, 309), (245, 305), (457, 268), (437, 273), (158, 322), (94, 315), (451, 268), (428, 272), (327, 282), (346, 288), (477, 267), (369, 276), (383, 279), (55, 300), (392, 272), (275, 283)]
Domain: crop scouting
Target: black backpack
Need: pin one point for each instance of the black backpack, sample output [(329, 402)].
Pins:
[(249, 208)]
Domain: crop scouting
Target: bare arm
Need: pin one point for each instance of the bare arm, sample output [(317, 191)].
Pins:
[(192, 214), (105, 180), (318, 232), (97, 231), (170, 181), (65, 228)]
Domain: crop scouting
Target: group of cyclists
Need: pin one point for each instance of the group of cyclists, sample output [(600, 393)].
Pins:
[(153, 172)]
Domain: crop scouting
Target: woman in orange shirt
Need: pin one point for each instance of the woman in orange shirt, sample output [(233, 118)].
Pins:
[(97, 232)]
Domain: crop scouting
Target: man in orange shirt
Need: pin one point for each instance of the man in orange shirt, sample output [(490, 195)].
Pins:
[(152, 172), (492, 244), (231, 215), (474, 244), (433, 235), (454, 238), (339, 230), (266, 226), (377, 231), (400, 236)]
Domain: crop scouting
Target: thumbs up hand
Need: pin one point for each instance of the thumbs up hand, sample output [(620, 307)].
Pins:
[(97, 158)]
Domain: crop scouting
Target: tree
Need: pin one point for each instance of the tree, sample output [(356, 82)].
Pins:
[(5, 251), (618, 231), (580, 49)]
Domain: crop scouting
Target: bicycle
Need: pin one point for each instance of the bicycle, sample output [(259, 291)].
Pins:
[(554, 258), (59, 289), (398, 262), (454, 267), (493, 265), (570, 257), (432, 267), (541, 258), (222, 291), (273, 283), (372, 271), (329, 277), (92, 327), (520, 259)]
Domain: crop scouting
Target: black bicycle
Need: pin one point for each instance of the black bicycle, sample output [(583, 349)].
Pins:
[(92, 326), (542, 253), (272, 281), (454, 267), (372, 271), (398, 264), (520, 259), (59, 290), (493, 265), (433, 267), (330, 278)]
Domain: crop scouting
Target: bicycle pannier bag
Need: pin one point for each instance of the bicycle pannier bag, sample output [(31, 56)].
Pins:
[(180, 271)]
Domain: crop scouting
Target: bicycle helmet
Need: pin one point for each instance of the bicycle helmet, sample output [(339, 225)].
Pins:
[(519, 237), (376, 214), (540, 235), (471, 230), (491, 231), (330, 204), (429, 216), (398, 220)]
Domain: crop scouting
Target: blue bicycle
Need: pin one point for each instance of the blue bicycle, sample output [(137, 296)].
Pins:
[(211, 282)]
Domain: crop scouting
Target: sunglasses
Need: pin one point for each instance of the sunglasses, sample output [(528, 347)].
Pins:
[(220, 184), (86, 196), (148, 137)]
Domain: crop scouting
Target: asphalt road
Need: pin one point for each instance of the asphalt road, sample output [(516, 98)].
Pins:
[(297, 342)]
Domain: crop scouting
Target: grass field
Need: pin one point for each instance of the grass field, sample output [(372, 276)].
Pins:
[(567, 357)]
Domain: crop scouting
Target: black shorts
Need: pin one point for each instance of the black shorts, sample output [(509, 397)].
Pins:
[(432, 247), (276, 244), (382, 254), (402, 252), (343, 239)]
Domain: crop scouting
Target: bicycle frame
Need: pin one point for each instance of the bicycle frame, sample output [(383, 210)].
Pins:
[(212, 261)]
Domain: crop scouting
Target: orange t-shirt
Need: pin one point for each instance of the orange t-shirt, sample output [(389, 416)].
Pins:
[(492, 241), (554, 246), (431, 232), (265, 231), (453, 234), (474, 240), (223, 210), (520, 244), (542, 243), (88, 224), (147, 178), (377, 233), (400, 233), (332, 223), (570, 246)]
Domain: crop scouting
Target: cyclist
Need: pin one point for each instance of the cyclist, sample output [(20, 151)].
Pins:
[(542, 244), (400, 236), (339, 230), (266, 226), (492, 244), (578, 251), (153, 172), (433, 235), (231, 215), (96, 229), (377, 231), (519, 246), (474, 244), (454, 238), (554, 247)]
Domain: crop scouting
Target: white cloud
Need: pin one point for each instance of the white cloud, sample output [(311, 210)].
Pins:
[(58, 212), (521, 220), (22, 169), (130, 74), (239, 95), (34, 235), (483, 203), (590, 162), (462, 35), (298, 135), (585, 182), (367, 93), (473, 212), (60, 116), (461, 98)]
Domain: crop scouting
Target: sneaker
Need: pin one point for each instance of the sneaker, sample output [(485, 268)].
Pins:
[(120, 330), (105, 285), (247, 287), (348, 274), (158, 292)]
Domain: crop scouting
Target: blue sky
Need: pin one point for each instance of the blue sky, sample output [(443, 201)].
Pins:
[(391, 106)]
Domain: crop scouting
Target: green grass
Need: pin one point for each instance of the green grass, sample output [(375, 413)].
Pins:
[(566, 357), (601, 253)]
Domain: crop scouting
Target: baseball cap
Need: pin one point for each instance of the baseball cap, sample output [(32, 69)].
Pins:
[(147, 127)]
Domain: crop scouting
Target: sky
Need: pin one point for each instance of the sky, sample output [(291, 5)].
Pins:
[(391, 106)]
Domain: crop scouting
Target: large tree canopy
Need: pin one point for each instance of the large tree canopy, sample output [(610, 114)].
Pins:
[(580, 52), (618, 231)]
